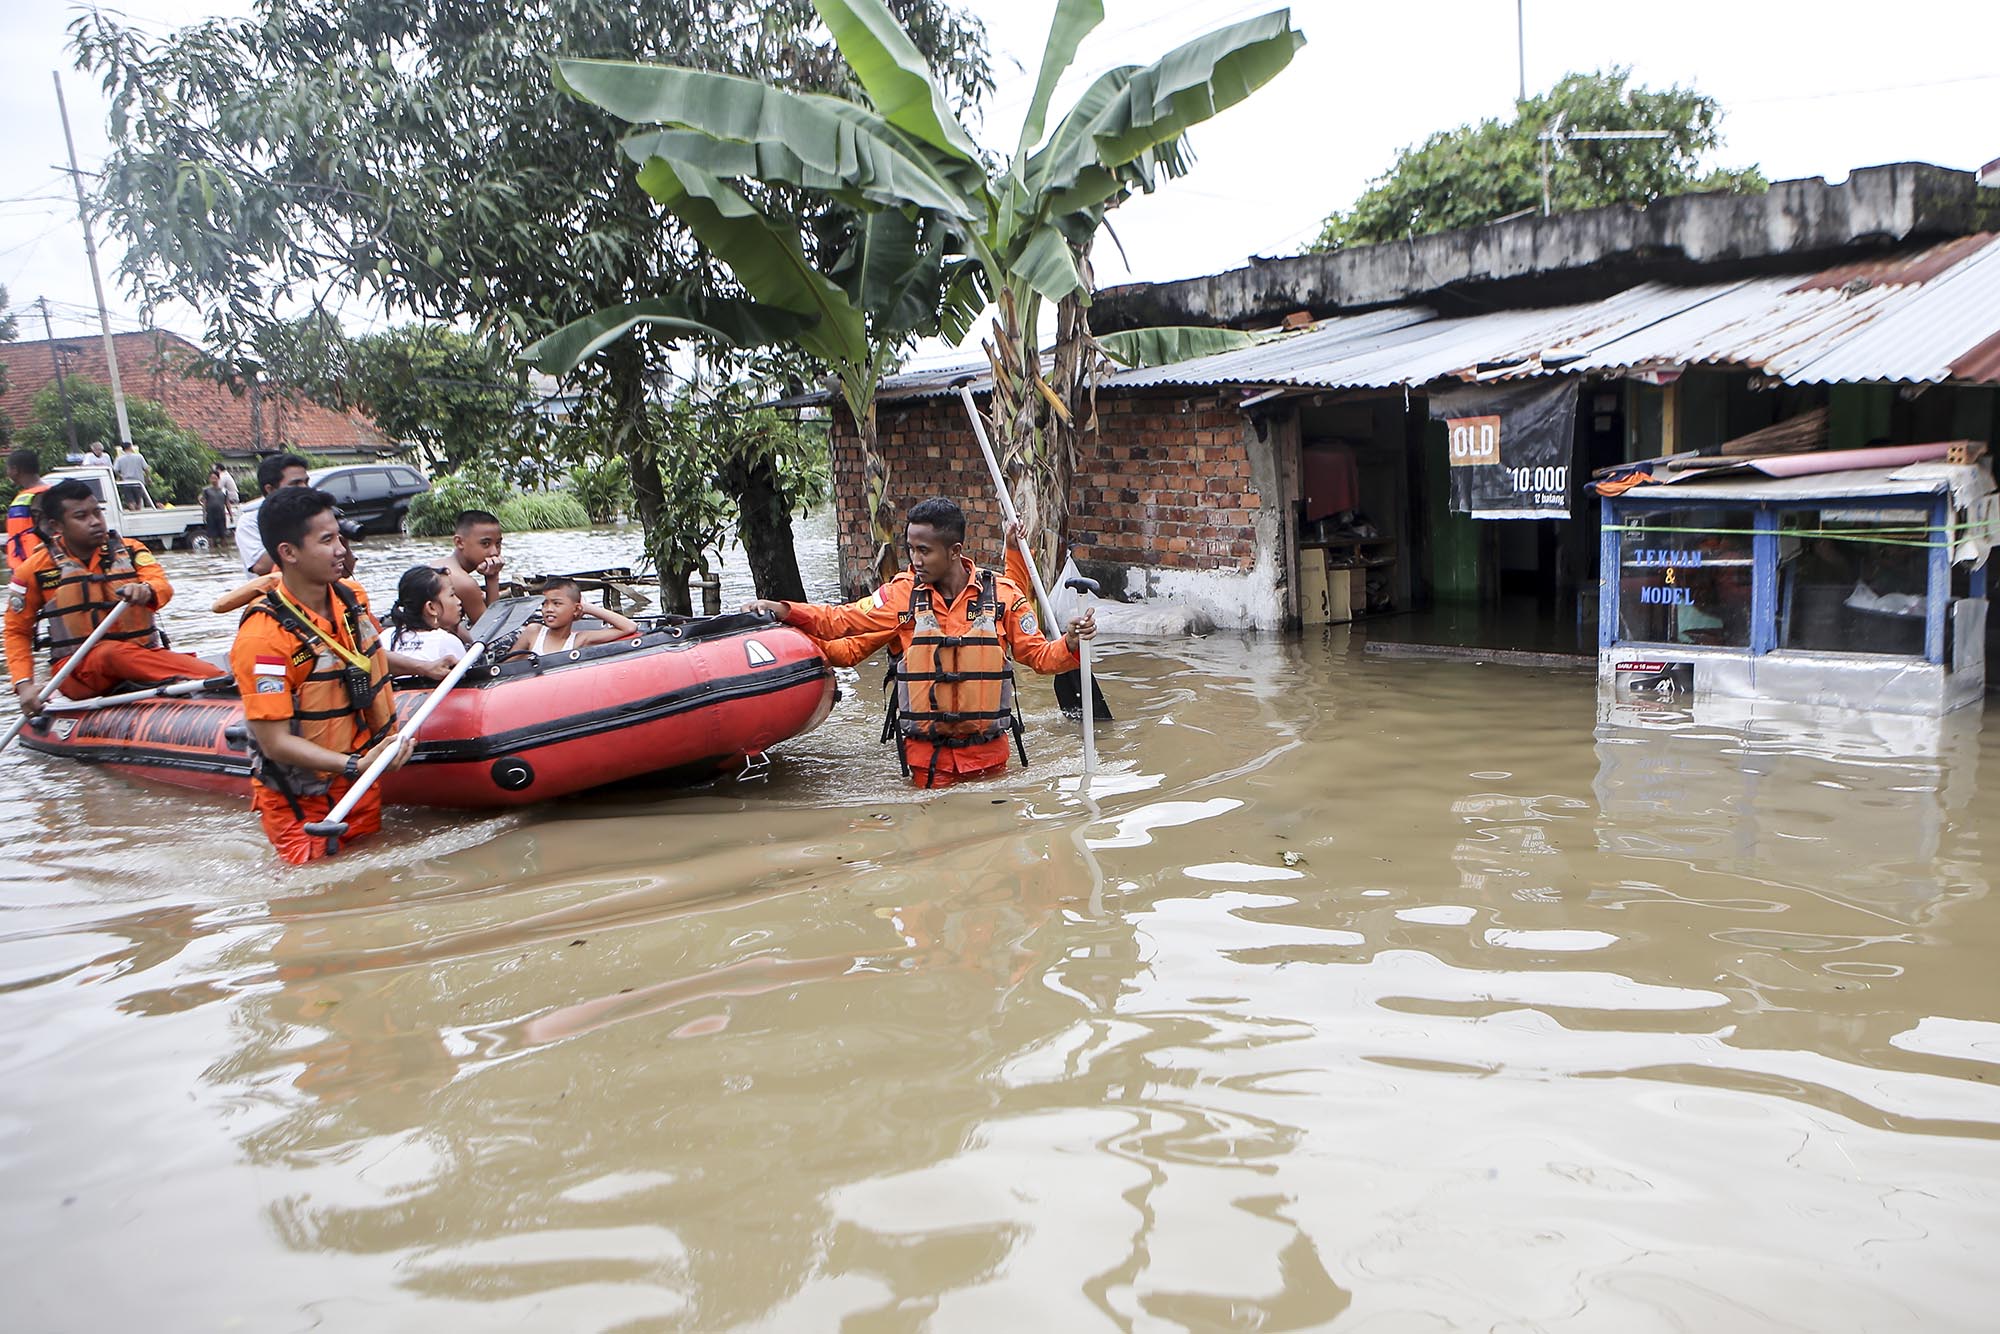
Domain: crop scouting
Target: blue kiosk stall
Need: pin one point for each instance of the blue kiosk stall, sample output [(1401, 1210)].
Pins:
[(1863, 589)]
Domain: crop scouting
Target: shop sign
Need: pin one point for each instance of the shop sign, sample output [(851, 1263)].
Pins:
[(1510, 448)]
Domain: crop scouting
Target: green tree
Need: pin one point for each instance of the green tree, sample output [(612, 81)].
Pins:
[(454, 397), (1479, 173), (177, 462), (418, 157), (1017, 230)]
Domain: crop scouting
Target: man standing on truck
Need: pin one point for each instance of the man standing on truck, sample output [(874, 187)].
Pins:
[(131, 472)]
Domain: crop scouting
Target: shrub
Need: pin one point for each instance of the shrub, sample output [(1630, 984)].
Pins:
[(480, 487), (540, 510), (604, 489)]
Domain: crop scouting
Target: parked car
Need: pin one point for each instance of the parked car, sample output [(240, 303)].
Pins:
[(374, 495)]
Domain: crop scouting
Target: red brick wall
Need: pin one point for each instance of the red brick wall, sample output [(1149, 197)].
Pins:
[(1165, 482), (153, 365)]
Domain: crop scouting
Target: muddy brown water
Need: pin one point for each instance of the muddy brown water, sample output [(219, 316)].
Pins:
[(1364, 994)]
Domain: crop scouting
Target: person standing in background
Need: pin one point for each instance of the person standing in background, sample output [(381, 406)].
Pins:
[(215, 508), (130, 469)]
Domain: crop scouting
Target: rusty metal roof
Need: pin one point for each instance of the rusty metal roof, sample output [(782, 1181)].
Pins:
[(1922, 317)]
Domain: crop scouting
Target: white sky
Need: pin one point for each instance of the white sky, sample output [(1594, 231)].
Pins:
[(1810, 89)]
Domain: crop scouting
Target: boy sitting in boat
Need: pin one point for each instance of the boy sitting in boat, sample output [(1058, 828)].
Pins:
[(313, 672), (475, 561), (563, 608), (70, 584)]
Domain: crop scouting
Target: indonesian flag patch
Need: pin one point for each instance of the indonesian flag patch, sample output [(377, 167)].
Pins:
[(270, 673)]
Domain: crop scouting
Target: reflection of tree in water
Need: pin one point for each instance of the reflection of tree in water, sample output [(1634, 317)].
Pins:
[(519, 1120)]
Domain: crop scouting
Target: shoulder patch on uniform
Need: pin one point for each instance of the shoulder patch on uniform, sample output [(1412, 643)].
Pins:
[(141, 556), (1029, 625), (270, 685)]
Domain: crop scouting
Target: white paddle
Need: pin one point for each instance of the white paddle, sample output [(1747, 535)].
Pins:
[(62, 673), (334, 826)]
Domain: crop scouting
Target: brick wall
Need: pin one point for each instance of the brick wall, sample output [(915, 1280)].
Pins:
[(153, 365), (1165, 482)]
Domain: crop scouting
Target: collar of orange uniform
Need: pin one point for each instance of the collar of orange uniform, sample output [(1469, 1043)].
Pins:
[(971, 578), (310, 622)]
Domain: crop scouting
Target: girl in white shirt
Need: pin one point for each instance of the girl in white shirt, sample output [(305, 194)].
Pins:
[(428, 620)]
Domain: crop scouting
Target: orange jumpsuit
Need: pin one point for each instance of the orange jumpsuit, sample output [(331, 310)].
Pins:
[(114, 661), (880, 616), (851, 650), (264, 654)]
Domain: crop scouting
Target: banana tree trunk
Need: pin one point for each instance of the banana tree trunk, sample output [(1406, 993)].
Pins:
[(882, 535), (1032, 431)]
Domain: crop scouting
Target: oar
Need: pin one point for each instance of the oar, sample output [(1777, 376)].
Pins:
[(334, 826), (1007, 515), (62, 673), (176, 690), (1081, 586)]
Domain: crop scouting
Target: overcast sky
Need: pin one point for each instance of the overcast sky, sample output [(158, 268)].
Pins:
[(1809, 88)]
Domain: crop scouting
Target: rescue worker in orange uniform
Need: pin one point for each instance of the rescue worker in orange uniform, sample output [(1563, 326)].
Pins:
[(24, 470), (851, 650), (81, 572), (955, 629), (313, 672)]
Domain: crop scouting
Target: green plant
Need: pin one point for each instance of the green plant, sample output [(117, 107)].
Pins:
[(177, 462), (935, 229), (538, 511), (1479, 173), (603, 487), (419, 158), (433, 513)]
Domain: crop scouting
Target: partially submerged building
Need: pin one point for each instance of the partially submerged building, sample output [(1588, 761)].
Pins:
[(1315, 475)]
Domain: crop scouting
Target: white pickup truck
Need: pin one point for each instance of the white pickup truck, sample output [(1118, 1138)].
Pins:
[(159, 527)]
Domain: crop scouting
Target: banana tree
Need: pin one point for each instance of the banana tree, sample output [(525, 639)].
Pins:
[(1016, 235)]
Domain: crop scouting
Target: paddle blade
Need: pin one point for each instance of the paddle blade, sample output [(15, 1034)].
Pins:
[(1069, 694)]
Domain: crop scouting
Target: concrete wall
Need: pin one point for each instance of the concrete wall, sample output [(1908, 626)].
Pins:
[(1875, 206)]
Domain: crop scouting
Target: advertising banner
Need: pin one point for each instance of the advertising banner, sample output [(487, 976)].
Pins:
[(1510, 447)]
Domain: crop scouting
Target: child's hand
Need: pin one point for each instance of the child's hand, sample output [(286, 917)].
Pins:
[(490, 567)]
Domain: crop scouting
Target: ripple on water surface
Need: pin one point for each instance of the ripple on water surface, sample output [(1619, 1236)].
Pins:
[(1414, 995)]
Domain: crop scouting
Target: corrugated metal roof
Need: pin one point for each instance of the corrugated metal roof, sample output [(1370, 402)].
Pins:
[(1919, 317)]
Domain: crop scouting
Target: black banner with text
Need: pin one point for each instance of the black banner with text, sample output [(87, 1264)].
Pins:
[(1510, 447)]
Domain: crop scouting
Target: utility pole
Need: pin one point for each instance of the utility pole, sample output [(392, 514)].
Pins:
[(1521, 46), (96, 280), (62, 385)]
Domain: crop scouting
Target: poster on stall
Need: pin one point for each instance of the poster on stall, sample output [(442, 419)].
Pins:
[(1510, 447)]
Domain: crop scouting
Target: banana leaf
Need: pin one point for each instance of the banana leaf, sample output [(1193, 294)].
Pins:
[(734, 127), (737, 323), (893, 71), (1168, 343), (1131, 110), (765, 259), (1072, 22)]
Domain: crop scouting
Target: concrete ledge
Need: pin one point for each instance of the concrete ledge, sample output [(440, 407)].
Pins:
[(1874, 207), (1499, 657)]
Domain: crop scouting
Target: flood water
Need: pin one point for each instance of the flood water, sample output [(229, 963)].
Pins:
[(1362, 993)]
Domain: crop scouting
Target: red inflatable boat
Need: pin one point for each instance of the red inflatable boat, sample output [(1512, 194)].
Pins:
[(695, 696)]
